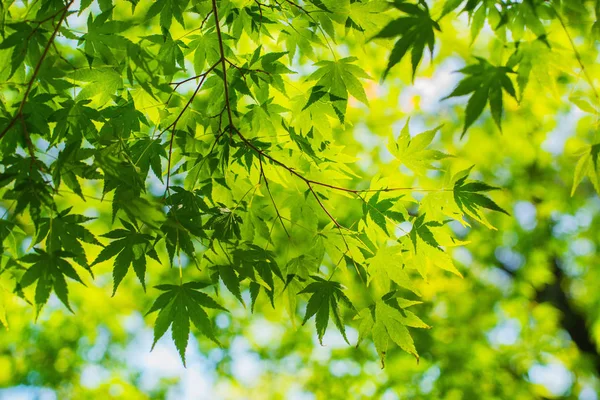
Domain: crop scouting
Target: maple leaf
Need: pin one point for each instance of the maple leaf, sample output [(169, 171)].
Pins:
[(324, 298), (416, 31), (486, 82), (469, 198), (387, 321), (335, 79), (587, 165), (168, 9), (380, 210), (49, 270), (70, 164), (388, 265), (30, 188), (230, 279), (259, 265), (420, 229), (224, 223), (177, 306), (130, 248), (101, 83), (66, 232), (146, 154), (102, 38), (183, 221), (413, 152)]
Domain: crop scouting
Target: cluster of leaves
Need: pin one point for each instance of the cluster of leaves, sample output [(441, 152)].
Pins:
[(237, 175)]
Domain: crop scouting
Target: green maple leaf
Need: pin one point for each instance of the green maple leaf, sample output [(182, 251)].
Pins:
[(387, 321), (259, 266), (486, 82), (6, 230), (74, 120), (49, 270), (168, 9), (225, 224), (469, 198), (335, 80), (30, 188), (420, 229), (413, 152), (25, 39), (177, 237), (416, 31), (302, 142), (588, 165), (146, 154), (101, 83), (66, 232), (70, 164), (183, 220), (380, 210), (325, 297), (230, 279), (320, 4), (130, 248), (387, 265), (178, 305), (102, 38)]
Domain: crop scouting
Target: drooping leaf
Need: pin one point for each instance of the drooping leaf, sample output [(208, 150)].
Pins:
[(387, 322), (486, 82), (49, 270), (323, 302), (130, 247), (177, 306), (416, 30)]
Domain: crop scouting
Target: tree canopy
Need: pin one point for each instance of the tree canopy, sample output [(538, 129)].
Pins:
[(393, 199)]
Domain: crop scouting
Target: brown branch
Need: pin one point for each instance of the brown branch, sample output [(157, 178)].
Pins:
[(318, 183), (244, 71), (223, 66), (318, 25), (177, 84)]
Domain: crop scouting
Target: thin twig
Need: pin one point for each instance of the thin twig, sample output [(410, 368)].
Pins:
[(588, 78), (173, 125), (263, 175)]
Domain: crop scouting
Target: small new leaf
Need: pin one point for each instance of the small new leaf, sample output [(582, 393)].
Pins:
[(413, 152)]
